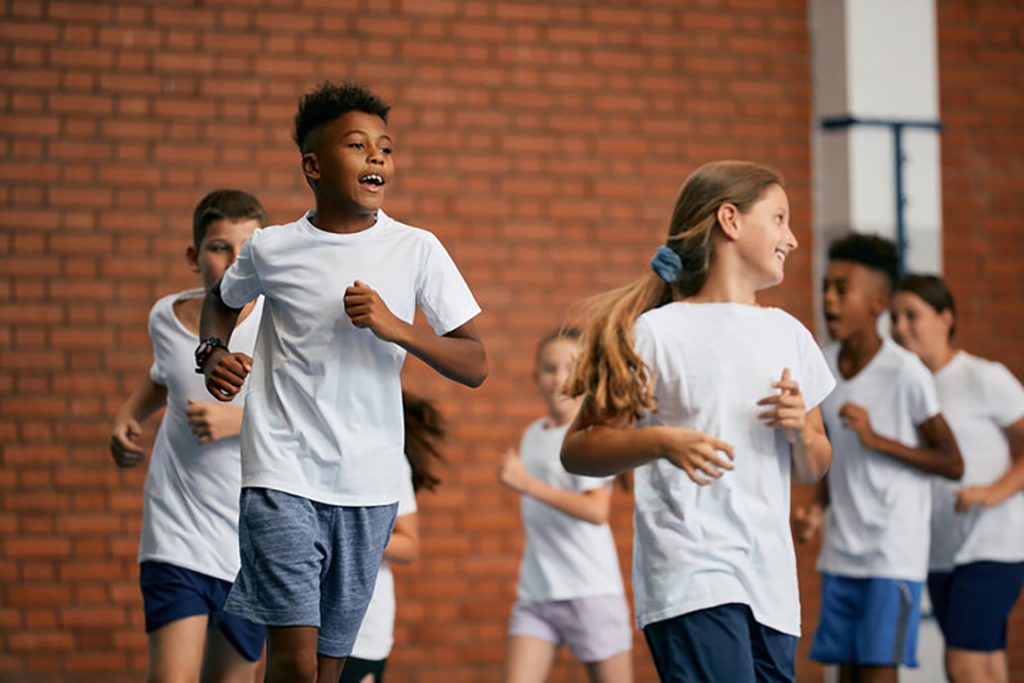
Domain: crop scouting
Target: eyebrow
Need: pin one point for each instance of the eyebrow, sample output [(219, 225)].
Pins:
[(363, 132)]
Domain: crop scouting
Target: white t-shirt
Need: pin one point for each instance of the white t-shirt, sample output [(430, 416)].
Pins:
[(376, 634), (979, 399), (877, 518), (323, 417), (699, 547), (190, 504), (565, 557)]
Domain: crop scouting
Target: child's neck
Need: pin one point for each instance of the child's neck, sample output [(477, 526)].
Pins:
[(720, 288), (940, 358), (558, 418), (342, 219), (857, 350)]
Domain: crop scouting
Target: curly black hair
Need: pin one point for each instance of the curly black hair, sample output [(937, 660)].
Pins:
[(330, 102), (871, 251)]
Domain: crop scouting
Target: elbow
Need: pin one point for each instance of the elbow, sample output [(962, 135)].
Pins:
[(955, 469), (476, 376), (599, 517)]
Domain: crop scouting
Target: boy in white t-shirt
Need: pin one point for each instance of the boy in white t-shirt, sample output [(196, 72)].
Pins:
[(322, 447), (888, 440), (188, 551)]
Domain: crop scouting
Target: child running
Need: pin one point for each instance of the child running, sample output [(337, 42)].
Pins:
[(424, 432), (189, 548), (570, 588), (977, 560), (713, 399), (889, 440), (322, 447)]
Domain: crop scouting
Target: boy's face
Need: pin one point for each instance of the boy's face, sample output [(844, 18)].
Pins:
[(854, 298), (350, 161), (219, 248), (554, 365)]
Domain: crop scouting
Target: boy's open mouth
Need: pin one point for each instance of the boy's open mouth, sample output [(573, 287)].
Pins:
[(372, 179)]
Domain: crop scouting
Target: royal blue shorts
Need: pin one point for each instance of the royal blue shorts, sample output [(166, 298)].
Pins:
[(723, 643), (972, 603), (170, 593), (868, 621)]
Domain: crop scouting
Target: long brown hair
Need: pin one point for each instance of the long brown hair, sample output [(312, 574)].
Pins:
[(424, 432), (610, 373)]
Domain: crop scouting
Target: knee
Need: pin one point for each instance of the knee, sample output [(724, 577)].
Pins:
[(292, 669)]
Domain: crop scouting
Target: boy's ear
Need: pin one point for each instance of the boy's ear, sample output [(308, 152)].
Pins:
[(192, 256), (311, 166), (728, 216)]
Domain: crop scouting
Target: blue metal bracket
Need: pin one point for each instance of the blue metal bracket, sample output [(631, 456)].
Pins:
[(835, 123)]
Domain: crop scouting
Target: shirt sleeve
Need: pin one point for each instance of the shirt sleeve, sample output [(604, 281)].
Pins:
[(920, 396), (815, 378), (443, 295), (1004, 394), (241, 282), (157, 371)]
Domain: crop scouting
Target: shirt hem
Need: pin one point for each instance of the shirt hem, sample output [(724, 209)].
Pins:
[(339, 500), (779, 624), (190, 566)]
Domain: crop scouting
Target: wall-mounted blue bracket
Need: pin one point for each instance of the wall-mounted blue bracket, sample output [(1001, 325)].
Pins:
[(834, 123)]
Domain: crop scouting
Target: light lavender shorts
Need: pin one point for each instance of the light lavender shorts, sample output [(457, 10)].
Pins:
[(595, 628)]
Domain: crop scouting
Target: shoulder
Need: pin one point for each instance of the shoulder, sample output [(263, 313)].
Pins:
[(273, 236), (162, 312), (908, 368), (787, 322)]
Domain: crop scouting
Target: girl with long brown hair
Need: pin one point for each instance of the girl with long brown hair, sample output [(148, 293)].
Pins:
[(713, 400)]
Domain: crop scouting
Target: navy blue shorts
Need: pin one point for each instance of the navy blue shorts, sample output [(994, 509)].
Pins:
[(869, 621), (723, 643), (972, 603), (170, 593), (356, 670), (306, 563)]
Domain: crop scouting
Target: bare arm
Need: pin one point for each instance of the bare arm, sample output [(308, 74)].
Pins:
[(1010, 483), (225, 371), (147, 398), (404, 545), (458, 355), (940, 455), (591, 506), (601, 448)]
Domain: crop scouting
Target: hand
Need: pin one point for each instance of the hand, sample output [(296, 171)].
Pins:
[(789, 411), (225, 373), (693, 451), (976, 497), (856, 418), (213, 421), (807, 522), (512, 472), (124, 448), (367, 310)]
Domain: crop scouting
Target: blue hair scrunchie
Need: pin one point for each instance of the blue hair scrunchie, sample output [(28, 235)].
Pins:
[(667, 264)]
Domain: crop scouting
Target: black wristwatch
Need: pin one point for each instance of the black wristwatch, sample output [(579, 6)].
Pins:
[(205, 350)]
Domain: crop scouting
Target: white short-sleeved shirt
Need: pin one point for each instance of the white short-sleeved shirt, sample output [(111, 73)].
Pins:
[(979, 400), (876, 523), (324, 409), (699, 547), (376, 634), (565, 557), (190, 503)]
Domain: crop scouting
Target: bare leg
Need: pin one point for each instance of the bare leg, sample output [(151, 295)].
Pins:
[(291, 654), (966, 666), (877, 674), (224, 664), (617, 669), (529, 660), (329, 669), (176, 651)]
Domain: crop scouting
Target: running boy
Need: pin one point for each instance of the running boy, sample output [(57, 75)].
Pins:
[(188, 554), (322, 451), (874, 558)]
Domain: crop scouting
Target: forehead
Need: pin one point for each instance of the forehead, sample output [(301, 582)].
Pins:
[(773, 198), (231, 229), (558, 349), (358, 121)]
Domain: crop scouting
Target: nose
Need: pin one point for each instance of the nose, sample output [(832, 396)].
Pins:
[(376, 156), (791, 239)]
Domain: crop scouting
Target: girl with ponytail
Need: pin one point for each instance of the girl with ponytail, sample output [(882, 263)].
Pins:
[(713, 400)]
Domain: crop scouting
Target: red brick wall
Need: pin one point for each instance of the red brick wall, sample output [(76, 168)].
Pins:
[(542, 142), (980, 64)]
